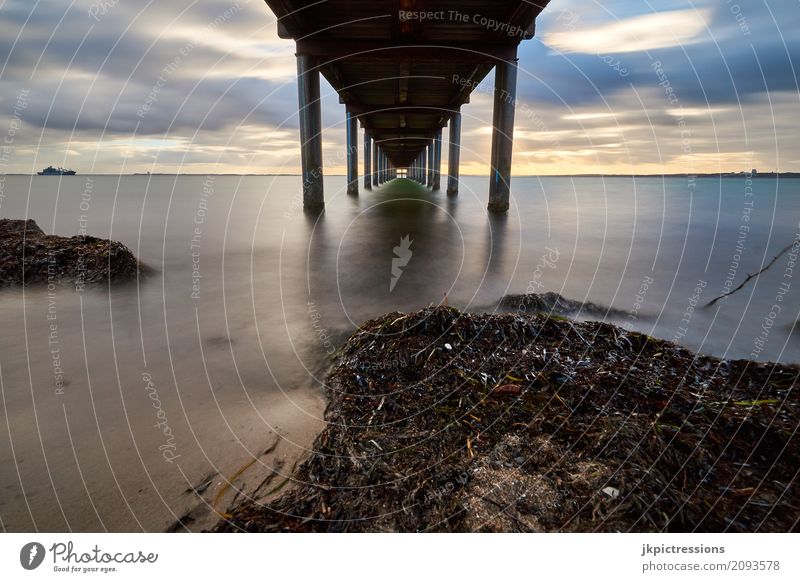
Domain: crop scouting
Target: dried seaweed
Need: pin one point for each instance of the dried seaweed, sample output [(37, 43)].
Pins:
[(445, 421)]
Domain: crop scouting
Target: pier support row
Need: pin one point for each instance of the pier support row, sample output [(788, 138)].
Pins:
[(505, 97), (383, 169), (426, 169)]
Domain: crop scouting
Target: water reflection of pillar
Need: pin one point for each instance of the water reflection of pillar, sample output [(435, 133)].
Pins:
[(496, 233)]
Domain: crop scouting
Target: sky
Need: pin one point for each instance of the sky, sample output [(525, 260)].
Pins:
[(612, 86)]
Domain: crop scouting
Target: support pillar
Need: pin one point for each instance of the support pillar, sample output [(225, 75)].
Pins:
[(367, 160), (437, 160), (431, 152), (375, 162), (505, 94), (454, 159), (310, 132), (352, 154)]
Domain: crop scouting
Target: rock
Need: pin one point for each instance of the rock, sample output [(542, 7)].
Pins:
[(28, 256), (554, 304)]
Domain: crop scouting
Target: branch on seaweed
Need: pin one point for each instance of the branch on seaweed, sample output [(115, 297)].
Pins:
[(753, 275)]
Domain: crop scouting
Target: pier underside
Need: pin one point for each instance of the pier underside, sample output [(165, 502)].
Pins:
[(403, 69)]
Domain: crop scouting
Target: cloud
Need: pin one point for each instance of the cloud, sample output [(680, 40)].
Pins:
[(638, 33)]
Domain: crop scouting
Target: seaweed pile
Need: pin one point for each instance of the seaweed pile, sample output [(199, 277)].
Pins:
[(446, 421), (29, 256)]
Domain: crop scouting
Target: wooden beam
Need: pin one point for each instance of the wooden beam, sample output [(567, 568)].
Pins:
[(355, 50)]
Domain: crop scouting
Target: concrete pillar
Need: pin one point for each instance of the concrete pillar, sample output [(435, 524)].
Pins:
[(454, 159), (423, 177), (375, 162), (367, 160), (310, 132), (437, 159), (429, 175), (352, 154), (505, 95)]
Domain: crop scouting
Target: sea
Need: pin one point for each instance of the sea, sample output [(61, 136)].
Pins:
[(125, 407)]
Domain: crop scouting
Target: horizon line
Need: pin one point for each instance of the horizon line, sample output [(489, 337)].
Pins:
[(586, 175)]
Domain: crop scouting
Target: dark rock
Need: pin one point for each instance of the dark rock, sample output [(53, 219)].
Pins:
[(554, 304), (28, 256)]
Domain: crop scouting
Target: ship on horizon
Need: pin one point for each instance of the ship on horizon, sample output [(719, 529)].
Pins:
[(59, 171)]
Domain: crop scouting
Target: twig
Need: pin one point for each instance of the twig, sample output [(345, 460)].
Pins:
[(752, 275)]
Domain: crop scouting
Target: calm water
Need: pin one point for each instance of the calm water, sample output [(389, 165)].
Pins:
[(230, 337)]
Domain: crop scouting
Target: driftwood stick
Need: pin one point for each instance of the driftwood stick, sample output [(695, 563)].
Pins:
[(753, 275)]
